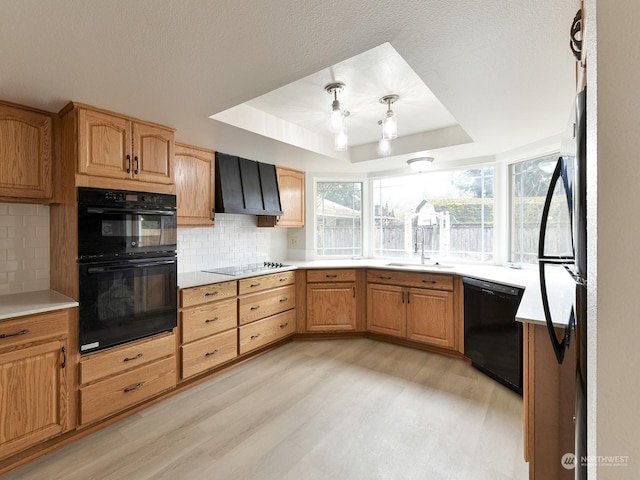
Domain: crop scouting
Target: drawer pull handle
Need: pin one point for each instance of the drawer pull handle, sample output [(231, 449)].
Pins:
[(209, 320), (128, 359), (333, 275), (284, 279), (209, 294), (431, 282), (284, 299), (384, 277), (253, 337), (128, 163), (285, 324), (255, 307), (255, 285), (21, 332), (211, 353), (135, 387), (64, 357)]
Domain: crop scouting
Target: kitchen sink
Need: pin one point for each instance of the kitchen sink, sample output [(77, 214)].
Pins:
[(418, 265)]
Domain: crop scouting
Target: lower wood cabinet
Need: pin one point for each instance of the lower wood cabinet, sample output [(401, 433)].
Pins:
[(396, 307), (209, 352), (34, 380), (133, 373), (262, 332), (331, 300)]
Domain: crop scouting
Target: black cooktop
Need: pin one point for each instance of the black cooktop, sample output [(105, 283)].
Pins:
[(235, 270)]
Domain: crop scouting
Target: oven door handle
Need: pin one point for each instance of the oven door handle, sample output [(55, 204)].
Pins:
[(135, 212), (116, 268)]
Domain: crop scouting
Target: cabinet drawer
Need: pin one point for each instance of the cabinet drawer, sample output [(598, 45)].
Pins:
[(209, 319), (109, 362), (262, 332), (432, 281), (209, 352), (333, 275), (264, 282), (117, 393), (33, 328), (207, 293), (265, 304)]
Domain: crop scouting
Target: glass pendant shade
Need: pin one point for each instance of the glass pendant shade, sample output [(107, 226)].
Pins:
[(389, 126), (384, 147), (337, 117), (341, 141)]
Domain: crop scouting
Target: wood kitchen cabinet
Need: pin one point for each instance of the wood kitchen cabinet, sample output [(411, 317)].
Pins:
[(291, 187), (35, 376), (118, 378), (26, 154), (194, 181), (266, 310), (331, 300), (549, 404), (397, 305), (209, 320), (116, 151)]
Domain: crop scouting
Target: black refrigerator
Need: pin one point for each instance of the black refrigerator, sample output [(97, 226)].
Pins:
[(568, 192)]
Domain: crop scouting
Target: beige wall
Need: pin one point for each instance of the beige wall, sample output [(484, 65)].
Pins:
[(618, 235)]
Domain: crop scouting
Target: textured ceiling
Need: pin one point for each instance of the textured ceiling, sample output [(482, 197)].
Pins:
[(501, 68)]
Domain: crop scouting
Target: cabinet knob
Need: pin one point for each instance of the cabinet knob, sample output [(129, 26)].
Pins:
[(282, 325), (284, 299)]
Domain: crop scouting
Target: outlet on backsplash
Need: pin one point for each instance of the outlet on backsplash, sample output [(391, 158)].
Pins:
[(293, 242)]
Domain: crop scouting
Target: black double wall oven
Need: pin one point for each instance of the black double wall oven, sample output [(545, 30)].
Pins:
[(127, 266)]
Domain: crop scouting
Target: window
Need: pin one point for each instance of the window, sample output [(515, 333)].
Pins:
[(530, 182), (339, 218), (448, 214)]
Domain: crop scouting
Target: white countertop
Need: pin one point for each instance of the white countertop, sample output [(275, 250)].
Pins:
[(561, 288), (19, 304)]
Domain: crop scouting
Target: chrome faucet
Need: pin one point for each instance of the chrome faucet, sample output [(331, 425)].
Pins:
[(422, 238)]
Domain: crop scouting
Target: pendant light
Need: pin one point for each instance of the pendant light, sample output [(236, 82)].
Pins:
[(384, 144), (337, 110), (389, 123)]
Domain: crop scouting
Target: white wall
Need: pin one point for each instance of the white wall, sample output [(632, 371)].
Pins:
[(234, 240), (24, 248), (618, 234)]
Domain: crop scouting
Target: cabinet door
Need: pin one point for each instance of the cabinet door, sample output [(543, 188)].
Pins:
[(105, 145), (25, 154), (194, 185), (386, 309), (33, 396), (152, 153), (331, 307), (291, 185), (430, 317)]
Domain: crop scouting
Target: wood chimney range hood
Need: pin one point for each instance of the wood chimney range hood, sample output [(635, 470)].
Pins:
[(246, 186)]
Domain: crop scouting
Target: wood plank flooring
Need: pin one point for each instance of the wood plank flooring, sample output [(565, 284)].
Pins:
[(341, 409)]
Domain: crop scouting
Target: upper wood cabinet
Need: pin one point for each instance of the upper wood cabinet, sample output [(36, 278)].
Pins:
[(112, 146), (193, 172), (26, 154), (291, 186)]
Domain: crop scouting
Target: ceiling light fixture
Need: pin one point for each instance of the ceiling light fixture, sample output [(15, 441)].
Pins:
[(384, 144), (337, 110), (389, 124), (420, 164)]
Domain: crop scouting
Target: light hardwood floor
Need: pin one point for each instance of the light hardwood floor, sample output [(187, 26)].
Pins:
[(342, 409)]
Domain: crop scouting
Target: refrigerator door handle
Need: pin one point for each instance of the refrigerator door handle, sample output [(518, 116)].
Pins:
[(559, 346)]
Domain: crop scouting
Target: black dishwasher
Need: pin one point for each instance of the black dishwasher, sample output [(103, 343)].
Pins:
[(492, 336)]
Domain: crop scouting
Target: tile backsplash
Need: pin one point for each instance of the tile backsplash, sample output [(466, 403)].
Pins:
[(24, 248), (234, 240)]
